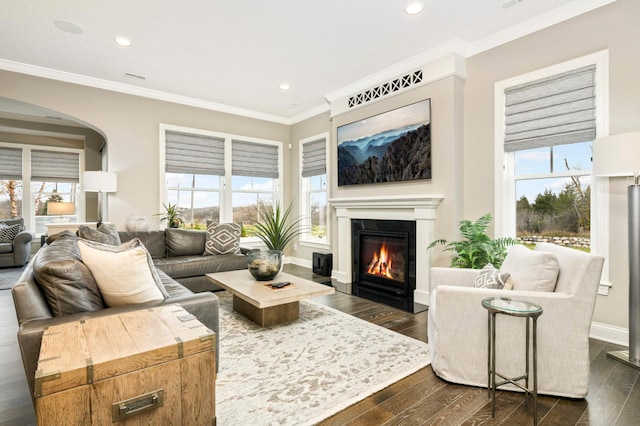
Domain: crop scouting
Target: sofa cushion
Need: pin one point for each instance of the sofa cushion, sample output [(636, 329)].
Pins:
[(223, 238), (6, 248), (153, 241), (531, 270), (125, 274), (67, 284), (184, 242), (490, 277), (106, 233), (195, 266)]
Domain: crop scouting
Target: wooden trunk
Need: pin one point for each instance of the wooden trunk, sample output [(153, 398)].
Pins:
[(153, 366)]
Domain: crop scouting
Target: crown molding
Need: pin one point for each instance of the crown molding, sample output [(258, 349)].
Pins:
[(128, 89), (309, 113)]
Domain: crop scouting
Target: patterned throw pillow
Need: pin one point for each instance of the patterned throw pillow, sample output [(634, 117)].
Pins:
[(223, 238), (490, 277), (8, 233)]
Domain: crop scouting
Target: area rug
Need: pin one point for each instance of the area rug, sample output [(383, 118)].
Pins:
[(305, 371), (10, 276)]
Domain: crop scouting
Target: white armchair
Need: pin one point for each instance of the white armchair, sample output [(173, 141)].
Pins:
[(457, 326)]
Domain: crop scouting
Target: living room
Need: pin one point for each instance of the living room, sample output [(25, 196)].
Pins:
[(460, 84)]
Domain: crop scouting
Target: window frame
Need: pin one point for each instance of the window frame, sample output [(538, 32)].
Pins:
[(305, 238), (226, 187), (505, 198), (28, 200)]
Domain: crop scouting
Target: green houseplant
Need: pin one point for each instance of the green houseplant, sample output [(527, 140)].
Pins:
[(476, 249), (276, 227), (172, 214)]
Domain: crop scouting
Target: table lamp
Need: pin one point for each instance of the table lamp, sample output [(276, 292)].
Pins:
[(619, 155), (59, 208), (100, 182)]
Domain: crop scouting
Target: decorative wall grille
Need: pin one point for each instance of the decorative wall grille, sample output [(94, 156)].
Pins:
[(399, 83)]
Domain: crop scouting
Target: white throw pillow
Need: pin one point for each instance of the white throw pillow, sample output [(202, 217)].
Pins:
[(125, 274), (531, 270)]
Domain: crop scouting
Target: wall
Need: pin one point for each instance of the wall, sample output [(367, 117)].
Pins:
[(612, 27), (131, 127)]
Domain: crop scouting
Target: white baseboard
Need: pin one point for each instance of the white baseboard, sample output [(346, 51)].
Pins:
[(299, 261), (609, 333), (421, 296)]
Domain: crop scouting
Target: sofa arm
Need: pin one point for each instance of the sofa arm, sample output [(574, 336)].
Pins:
[(22, 247), (459, 277)]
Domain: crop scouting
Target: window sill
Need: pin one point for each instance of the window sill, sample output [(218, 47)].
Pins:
[(315, 244)]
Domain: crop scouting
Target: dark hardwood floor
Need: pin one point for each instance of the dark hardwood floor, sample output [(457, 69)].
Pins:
[(419, 399)]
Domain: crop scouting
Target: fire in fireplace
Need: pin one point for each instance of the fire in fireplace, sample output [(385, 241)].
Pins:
[(387, 262), (384, 262)]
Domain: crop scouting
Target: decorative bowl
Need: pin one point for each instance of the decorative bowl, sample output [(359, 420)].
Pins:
[(264, 265)]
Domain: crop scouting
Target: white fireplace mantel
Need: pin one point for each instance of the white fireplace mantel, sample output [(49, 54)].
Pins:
[(418, 208)]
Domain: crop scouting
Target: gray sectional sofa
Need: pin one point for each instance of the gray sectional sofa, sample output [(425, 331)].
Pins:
[(60, 289), (180, 254)]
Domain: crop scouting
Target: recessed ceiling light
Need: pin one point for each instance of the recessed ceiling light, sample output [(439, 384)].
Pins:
[(123, 41), (68, 27), (284, 86), (414, 7)]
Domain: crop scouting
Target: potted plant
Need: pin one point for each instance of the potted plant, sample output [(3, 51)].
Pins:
[(172, 214), (476, 249), (276, 228)]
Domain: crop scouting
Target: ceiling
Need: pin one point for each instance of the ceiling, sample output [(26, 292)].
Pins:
[(234, 54)]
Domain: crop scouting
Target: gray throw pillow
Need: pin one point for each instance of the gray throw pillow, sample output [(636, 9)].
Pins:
[(490, 277), (67, 284), (106, 233), (223, 238)]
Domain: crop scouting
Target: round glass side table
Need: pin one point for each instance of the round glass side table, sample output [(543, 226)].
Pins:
[(516, 308)]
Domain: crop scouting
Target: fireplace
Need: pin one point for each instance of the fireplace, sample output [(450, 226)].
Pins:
[(384, 261)]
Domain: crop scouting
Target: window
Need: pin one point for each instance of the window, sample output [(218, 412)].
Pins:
[(314, 206), (218, 177), (40, 176), (10, 182), (545, 123)]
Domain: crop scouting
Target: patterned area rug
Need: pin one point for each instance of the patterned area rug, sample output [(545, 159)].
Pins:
[(307, 370)]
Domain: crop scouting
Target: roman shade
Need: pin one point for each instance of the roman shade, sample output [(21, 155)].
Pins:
[(551, 111), (197, 154), (58, 166), (254, 159), (10, 163), (314, 158)]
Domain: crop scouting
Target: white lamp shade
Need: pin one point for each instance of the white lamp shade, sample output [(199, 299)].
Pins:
[(60, 208), (617, 155), (99, 182)]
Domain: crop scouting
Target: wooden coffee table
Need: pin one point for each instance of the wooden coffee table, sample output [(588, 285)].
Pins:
[(262, 304)]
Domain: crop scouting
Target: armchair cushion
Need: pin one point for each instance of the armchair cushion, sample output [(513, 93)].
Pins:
[(9, 233), (531, 270)]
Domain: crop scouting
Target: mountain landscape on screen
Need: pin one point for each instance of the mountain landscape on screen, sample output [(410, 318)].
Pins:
[(393, 155)]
